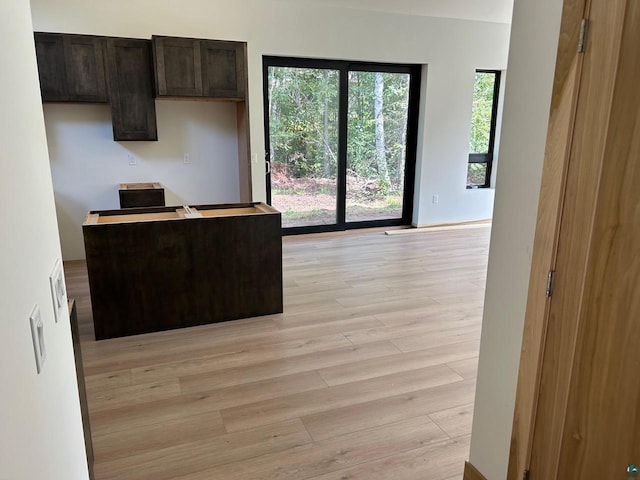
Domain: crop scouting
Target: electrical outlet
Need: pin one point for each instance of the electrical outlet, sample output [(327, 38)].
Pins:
[(435, 199), (58, 291), (187, 159), (132, 159), (37, 334)]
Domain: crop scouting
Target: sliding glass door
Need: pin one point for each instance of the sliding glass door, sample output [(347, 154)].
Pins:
[(303, 144), (376, 145), (340, 143)]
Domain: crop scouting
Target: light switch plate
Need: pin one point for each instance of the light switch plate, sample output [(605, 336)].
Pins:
[(37, 334), (58, 291)]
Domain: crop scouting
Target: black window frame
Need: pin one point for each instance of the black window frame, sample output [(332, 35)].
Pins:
[(344, 67), (487, 158)]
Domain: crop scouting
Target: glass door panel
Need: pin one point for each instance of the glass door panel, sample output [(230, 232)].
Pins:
[(378, 113), (303, 142)]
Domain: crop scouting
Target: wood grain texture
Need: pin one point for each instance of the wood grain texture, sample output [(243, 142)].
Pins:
[(82, 390), (201, 455), (586, 158), (599, 438), (130, 82), (159, 275), (192, 67), (438, 460), (71, 68), (309, 403), (375, 422), (554, 176), (360, 416), (178, 68), (224, 69), (141, 197), (454, 421), (472, 473), (370, 368), (149, 438), (51, 67), (244, 147), (319, 458), (85, 67)]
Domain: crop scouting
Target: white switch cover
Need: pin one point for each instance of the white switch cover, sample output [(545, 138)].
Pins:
[(37, 333), (58, 291)]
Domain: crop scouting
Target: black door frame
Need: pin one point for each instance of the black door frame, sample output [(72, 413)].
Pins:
[(344, 67)]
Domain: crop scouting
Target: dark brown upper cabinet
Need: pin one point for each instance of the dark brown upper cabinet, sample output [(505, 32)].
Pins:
[(178, 70), (133, 108), (71, 68), (188, 67)]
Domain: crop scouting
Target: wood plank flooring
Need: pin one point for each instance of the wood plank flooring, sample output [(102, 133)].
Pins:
[(368, 374)]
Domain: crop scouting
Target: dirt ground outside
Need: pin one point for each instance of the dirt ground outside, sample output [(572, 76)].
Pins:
[(312, 201)]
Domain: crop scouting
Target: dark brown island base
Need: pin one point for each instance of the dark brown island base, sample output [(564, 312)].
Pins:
[(153, 269)]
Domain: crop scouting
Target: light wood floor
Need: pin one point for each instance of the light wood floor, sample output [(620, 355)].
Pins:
[(369, 373)]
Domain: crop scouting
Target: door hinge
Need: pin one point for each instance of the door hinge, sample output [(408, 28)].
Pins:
[(584, 30), (525, 475), (550, 278)]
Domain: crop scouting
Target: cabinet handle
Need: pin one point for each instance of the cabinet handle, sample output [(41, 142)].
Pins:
[(632, 472)]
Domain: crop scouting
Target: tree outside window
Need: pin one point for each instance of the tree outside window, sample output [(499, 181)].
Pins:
[(483, 128)]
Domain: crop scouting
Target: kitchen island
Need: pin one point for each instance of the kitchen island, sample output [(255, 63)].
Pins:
[(154, 269)]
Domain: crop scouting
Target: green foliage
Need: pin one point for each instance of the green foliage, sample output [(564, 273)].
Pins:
[(476, 174), (303, 121), (481, 113), (361, 145), (394, 203), (303, 116)]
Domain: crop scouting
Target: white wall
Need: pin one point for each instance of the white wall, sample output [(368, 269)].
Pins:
[(534, 40), (87, 165), (453, 49), (40, 423)]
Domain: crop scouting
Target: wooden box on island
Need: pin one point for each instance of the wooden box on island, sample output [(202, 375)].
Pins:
[(145, 194), (160, 268)]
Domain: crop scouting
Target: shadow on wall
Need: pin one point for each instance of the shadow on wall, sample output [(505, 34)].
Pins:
[(70, 215)]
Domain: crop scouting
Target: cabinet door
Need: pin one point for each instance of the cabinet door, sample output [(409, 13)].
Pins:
[(178, 67), (223, 69), (133, 108), (71, 68), (51, 67), (84, 65)]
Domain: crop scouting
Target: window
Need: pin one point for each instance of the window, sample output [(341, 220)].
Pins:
[(341, 140), (483, 128)]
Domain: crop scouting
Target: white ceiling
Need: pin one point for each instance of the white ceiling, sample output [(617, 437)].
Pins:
[(481, 10)]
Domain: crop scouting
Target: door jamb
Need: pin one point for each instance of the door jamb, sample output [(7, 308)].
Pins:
[(551, 200)]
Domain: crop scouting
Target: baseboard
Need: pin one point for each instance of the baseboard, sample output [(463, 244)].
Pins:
[(472, 473), (451, 224), (440, 227)]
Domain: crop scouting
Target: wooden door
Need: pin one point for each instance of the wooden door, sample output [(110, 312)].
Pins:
[(588, 403)]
